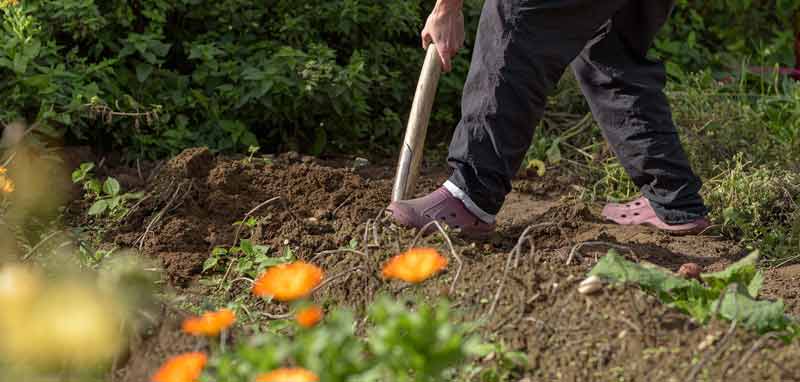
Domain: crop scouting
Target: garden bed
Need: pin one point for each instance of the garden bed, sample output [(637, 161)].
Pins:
[(528, 304)]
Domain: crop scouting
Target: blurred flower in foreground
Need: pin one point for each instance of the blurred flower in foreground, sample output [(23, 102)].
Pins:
[(288, 375), (210, 323), (288, 282), (70, 323), (6, 184), (310, 316), (8, 3), (19, 285), (185, 367), (415, 265)]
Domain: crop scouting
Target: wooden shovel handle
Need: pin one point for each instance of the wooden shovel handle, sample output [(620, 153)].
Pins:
[(413, 147)]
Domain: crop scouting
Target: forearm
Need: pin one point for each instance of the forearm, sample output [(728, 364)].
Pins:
[(448, 5)]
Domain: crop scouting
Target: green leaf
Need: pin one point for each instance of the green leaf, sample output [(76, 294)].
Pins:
[(114, 203), (111, 187), (755, 284), (247, 247), (320, 141), (143, 71), (98, 207), (219, 251), (244, 266), (211, 262), (762, 316), (31, 49), (133, 195), (273, 261), (93, 186), (20, 64), (6, 63), (261, 250), (554, 152), (741, 272), (614, 267)]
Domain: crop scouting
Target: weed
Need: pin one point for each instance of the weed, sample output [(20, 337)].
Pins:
[(246, 259), (758, 205), (613, 184), (107, 196)]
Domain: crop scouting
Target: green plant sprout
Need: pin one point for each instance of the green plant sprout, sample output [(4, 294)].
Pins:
[(107, 196)]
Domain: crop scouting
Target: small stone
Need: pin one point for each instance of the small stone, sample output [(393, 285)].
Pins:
[(286, 242), (690, 271), (307, 159), (708, 341), (293, 156), (312, 220), (360, 162), (591, 285), (320, 214)]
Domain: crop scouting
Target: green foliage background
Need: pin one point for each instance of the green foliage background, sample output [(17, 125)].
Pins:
[(157, 76)]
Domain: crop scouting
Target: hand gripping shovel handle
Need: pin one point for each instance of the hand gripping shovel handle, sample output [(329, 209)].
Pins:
[(405, 179)]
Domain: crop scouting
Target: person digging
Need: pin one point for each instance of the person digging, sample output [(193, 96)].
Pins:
[(521, 51)]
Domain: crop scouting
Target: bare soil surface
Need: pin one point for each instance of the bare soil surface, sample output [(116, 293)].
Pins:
[(619, 334)]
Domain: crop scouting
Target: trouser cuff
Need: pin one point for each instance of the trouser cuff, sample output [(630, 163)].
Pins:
[(459, 194)]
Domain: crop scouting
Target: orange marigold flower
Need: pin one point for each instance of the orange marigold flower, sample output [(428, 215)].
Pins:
[(414, 266), (6, 185), (310, 316), (186, 367), (210, 323), (3, 170), (288, 375), (288, 282)]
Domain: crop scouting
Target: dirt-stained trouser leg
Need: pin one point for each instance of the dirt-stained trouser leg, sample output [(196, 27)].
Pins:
[(522, 49), (625, 92)]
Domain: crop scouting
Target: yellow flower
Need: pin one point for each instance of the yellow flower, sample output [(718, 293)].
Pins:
[(415, 266), (309, 316), (3, 170), (288, 282), (288, 375), (186, 367), (8, 3), (210, 323), (70, 322)]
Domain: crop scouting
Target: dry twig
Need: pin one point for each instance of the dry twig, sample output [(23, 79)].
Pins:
[(575, 250), (513, 255), (247, 215), (449, 242), (335, 277), (40, 243), (163, 212), (336, 251)]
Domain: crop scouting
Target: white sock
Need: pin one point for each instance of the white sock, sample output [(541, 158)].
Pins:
[(471, 206)]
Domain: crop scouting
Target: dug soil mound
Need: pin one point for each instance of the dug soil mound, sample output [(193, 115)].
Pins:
[(528, 302)]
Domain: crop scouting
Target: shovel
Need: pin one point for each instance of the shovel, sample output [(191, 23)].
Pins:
[(411, 151)]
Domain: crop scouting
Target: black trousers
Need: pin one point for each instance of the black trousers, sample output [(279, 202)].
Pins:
[(523, 48)]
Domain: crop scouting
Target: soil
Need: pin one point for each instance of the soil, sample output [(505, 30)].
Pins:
[(618, 334)]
